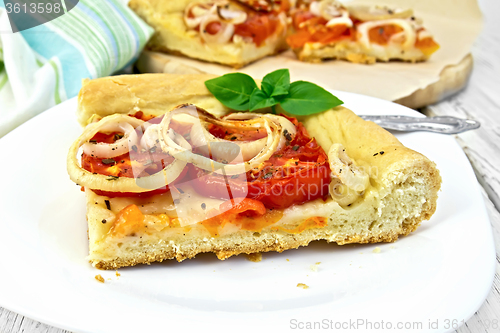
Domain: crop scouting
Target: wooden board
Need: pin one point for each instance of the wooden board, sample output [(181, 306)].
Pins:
[(451, 80)]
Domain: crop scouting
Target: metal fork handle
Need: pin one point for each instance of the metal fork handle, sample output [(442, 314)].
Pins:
[(442, 124)]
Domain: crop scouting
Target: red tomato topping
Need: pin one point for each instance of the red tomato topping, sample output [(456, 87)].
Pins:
[(246, 213), (248, 207), (312, 29), (258, 27), (295, 174), (232, 135), (121, 166), (382, 34)]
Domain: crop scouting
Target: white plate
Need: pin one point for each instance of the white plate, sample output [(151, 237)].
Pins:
[(442, 272)]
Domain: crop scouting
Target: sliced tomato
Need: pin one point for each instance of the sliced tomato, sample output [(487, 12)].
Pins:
[(295, 174), (213, 27), (276, 6), (246, 213), (312, 29), (258, 27), (130, 194), (246, 206), (285, 6), (301, 17), (121, 166), (232, 135)]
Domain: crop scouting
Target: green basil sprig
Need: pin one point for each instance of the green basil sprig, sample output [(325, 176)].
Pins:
[(239, 92)]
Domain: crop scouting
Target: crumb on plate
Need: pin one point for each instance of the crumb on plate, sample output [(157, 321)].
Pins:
[(314, 267), (302, 285), (255, 257)]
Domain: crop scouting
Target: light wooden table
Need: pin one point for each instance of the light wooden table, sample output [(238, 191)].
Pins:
[(480, 101)]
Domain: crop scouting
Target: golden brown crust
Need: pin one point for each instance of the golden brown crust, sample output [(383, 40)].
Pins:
[(403, 191), (279, 243), (153, 94)]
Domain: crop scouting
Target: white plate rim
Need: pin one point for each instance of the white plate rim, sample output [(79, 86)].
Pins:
[(351, 99)]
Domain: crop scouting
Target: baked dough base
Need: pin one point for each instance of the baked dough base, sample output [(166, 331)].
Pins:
[(357, 53), (402, 193)]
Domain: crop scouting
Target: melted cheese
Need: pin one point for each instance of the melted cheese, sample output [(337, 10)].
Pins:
[(185, 204), (191, 208)]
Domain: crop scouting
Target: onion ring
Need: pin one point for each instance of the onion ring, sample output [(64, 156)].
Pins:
[(118, 184), (193, 22), (117, 148), (224, 35), (208, 164)]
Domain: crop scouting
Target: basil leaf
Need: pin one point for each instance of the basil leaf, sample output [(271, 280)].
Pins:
[(276, 83), (306, 98), (259, 100), (233, 90)]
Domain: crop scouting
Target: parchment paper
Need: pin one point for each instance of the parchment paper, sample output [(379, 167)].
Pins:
[(455, 24)]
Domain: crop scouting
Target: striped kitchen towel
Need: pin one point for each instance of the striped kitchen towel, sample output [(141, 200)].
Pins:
[(44, 65)]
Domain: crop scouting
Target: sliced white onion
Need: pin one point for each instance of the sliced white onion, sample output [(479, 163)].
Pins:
[(331, 9), (315, 8), (119, 123), (408, 30), (377, 13), (232, 16), (259, 5), (224, 35), (220, 149), (150, 137), (193, 22), (171, 171), (348, 181), (199, 11), (343, 19), (208, 164), (118, 184)]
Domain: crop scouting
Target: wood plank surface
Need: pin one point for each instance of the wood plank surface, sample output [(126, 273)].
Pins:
[(480, 100)]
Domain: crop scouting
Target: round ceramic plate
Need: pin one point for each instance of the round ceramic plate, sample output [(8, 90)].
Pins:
[(432, 280)]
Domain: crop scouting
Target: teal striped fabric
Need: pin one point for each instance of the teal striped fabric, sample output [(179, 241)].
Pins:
[(96, 38)]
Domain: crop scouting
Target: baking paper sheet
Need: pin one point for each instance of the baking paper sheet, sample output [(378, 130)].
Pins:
[(455, 25)]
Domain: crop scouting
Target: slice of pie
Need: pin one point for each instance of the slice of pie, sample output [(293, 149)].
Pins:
[(228, 32), (168, 172), (362, 34)]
